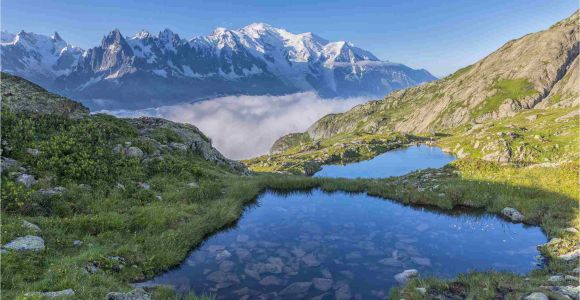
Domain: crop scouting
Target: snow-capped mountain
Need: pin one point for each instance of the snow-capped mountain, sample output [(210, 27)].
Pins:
[(149, 70)]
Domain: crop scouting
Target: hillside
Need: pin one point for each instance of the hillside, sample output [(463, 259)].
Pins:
[(148, 70), (519, 104)]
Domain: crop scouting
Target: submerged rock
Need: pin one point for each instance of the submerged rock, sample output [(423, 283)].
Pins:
[(63, 293), (27, 243), (323, 284), (296, 288), (513, 214), (136, 294), (406, 275)]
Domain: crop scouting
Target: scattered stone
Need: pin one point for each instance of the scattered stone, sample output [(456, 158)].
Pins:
[(570, 277), (570, 255), (136, 294), (134, 152), (222, 254), (555, 278), (57, 190), (144, 185), (536, 296), (7, 163), (298, 252), (531, 118), (242, 238), (178, 146), (406, 275), (158, 197), (421, 290), (389, 261), (270, 280), (63, 293), (77, 243), (33, 152), (26, 179), (27, 243), (422, 261), (322, 284), (227, 265), (30, 226), (120, 186), (193, 185), (296, 288), (310, 260), (343, 293), (91, 268), (570, 291), (513, 214), (571, 230)]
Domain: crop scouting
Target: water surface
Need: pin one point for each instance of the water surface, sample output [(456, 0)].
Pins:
[(392, 163), (346, 246)]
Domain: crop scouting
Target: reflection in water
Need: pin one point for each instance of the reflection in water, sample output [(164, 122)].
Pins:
[(346, 246), (392, 163)]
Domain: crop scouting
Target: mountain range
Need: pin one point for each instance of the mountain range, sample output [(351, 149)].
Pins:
[(150, 70)]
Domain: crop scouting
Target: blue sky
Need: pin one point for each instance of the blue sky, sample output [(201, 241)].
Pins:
[(440, 36)]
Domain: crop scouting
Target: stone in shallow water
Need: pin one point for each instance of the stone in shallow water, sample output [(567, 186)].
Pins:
[(310, 260), (242, 238), (422, 261), (389, 261), (296, 288), (223, 254), (27, 243), (343, 293), (227, 266), (513, 214), (406, 275), (323, 284), (270, 280)]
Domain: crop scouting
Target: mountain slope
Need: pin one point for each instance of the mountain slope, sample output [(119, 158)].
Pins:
[(519, 104), (148, 70), (536, 70)]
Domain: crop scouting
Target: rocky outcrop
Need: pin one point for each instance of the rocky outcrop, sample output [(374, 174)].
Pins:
[(68, 293), (26, 243), (190, 137), (136, 294)]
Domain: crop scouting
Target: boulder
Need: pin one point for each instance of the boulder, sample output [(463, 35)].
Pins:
[(33, 152), (26, 179), (536, 296), (7, 163), (178, 146), (57, 294), (134, 152), (512, 214), (136, 294), (30, 226), (26, 243), (570, 255), (406, 275)]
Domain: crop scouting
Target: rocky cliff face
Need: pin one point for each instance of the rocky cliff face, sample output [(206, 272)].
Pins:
[(539, 70), (152, 70)]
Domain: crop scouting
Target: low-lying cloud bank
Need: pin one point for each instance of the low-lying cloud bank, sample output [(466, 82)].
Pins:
[(246, 126)]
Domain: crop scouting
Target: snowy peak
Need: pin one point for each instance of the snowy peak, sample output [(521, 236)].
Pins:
[(255, 59)]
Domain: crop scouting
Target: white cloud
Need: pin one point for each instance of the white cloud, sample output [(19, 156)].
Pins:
[(246, 126)]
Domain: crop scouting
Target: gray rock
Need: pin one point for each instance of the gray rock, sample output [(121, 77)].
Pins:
[(536, 296), (513, 214), (57, 190), (118, 149), (322, 284), (7, 163), (77, 243), (27, 243), (270, 280), (134, 152), (136, 294), (570, 255), (57, 294), (555, 278), (193, 185), (343, 293), (178, 146), (26, 179), (33, 152), (421, 290), (571, 230), (91, 268), (296, 288), (144, 185), (406, 275), (30, 226), (570, 291)]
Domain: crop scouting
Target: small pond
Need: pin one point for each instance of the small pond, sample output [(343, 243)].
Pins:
[(392, 163), (346, 246)]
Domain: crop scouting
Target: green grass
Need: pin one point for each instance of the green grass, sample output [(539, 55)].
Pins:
[(515, 89)]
